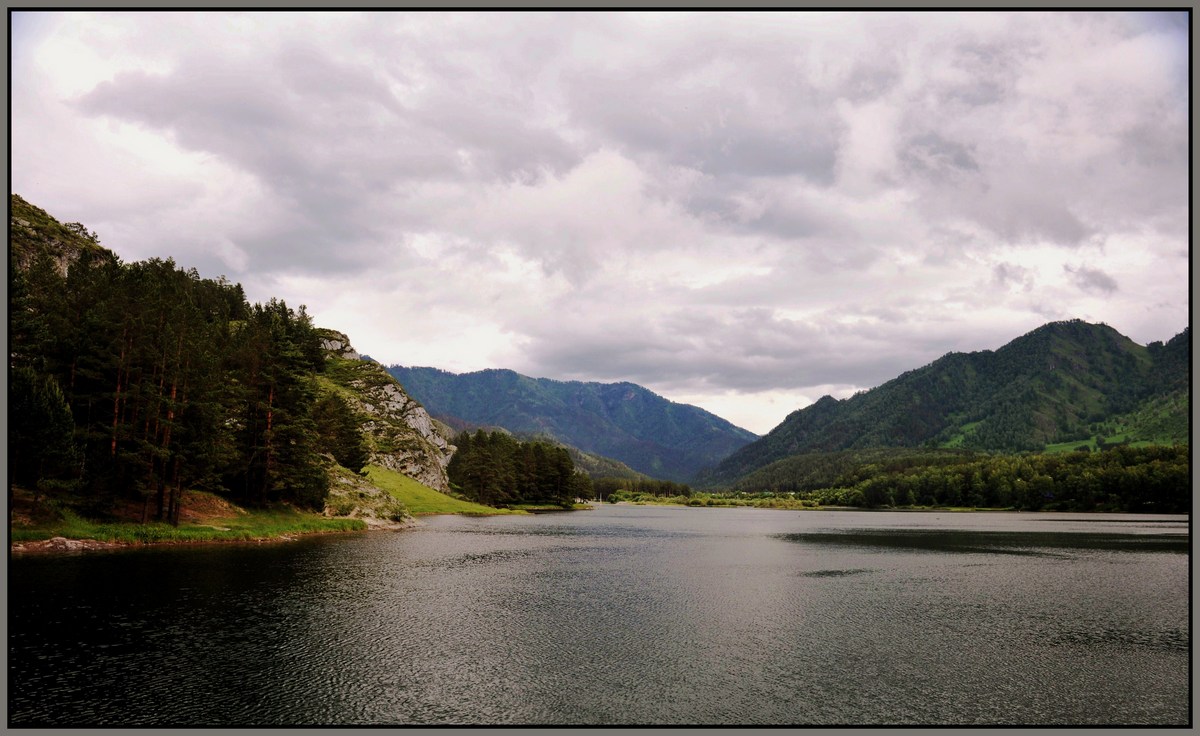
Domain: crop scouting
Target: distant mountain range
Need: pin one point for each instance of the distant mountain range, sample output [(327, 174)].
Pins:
[(1066, 382), (622, 421), (1064, 385)]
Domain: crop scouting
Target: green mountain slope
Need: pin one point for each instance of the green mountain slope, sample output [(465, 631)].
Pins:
[(1056, 384), (622, 421)]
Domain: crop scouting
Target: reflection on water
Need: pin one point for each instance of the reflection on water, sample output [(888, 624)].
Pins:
[(832, 573), (622, 615), (1046, 544)]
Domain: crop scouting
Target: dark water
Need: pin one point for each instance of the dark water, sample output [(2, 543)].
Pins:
[(621, 615)]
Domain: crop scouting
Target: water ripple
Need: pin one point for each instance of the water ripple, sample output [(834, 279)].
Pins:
[(618, 616)]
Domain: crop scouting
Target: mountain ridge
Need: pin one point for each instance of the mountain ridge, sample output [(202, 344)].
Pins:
[(1049, 385), (623, 421), (595, 466)]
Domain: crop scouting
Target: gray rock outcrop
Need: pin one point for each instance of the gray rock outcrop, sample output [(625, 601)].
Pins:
[(353, 496), (401, 434), (339, 345)]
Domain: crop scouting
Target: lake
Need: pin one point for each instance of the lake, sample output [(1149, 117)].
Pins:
[(621, 615)]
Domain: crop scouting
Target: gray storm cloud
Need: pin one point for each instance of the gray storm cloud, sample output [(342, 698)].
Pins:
[(1092, 279)]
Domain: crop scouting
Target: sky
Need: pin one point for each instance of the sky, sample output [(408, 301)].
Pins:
[(744, 212)]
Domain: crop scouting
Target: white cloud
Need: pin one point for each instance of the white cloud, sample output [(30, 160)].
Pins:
[(743, 211)]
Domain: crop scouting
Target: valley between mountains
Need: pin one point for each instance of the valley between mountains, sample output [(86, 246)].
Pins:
[(141, 390)]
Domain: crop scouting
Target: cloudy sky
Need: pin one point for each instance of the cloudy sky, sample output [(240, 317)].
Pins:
[(739, 211)]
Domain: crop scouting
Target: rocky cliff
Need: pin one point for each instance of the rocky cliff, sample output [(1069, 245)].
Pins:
[(32, 232), (400, 433)]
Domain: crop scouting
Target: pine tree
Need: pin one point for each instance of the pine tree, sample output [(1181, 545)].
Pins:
[(41, 444), (341, 432)]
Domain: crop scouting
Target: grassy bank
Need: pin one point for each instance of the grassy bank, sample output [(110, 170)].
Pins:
[(247, 525), (421, 499), (209, 518)]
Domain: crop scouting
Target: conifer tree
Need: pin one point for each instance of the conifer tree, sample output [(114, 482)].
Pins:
[(341, 432)]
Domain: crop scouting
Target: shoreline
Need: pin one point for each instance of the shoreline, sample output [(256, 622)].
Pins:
[(58, 545), (902, 509)]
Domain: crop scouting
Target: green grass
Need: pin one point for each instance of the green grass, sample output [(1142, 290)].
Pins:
[(421, 499), (965, 431), (256, 524), (1160, 420), (1090, 443)]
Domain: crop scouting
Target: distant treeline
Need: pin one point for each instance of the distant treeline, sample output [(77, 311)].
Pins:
[(495, 469), (1122, 478), (606, 487), (138, 381)]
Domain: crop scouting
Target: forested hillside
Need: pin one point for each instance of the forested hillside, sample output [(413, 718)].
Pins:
[(142, 381), (1065, 382), (623, 421), (1122, 478)]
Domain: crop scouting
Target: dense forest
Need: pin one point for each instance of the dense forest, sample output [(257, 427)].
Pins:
[(1123, 478), (607, 486), (817, 470), (495, 469), (142, 380)]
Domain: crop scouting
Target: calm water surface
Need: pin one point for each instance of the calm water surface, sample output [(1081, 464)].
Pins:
[(621, 615)]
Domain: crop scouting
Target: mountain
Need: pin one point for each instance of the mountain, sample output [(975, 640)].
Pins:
[(1063, 382), (596, 466), (623, 421)]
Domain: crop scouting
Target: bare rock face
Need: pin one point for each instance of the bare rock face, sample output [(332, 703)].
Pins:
[(339, 345), (402, 435), (406, 439)]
